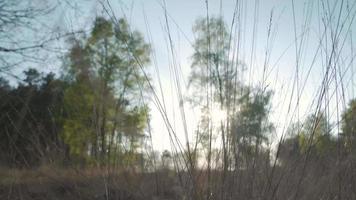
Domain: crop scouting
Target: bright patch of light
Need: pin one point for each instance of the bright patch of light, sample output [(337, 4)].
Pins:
[(218, 115)]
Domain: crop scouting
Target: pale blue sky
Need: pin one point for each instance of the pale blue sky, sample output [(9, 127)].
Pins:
[(183, 13)]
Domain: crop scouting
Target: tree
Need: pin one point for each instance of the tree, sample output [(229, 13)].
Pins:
[(213, 79), (32, 76), (251, 121), (315, 134), (28, 129), (166, 159), (107, 81), (211, 66), (78, 124), (250, 126), (349, 125), (313, 137)]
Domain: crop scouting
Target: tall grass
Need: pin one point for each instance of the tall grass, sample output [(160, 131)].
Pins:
[(275, 169)]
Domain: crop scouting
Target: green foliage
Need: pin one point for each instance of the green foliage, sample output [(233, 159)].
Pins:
[(316, 134), (78, 122), (116, 55), (349, 125), (104, 117), (313, 137), (32, 76), (29, 130), (212, 43), (211, 66), (214, 80), (251, 121), (133, 125)]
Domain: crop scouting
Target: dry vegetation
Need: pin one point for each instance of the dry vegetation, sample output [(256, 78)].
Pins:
[(85, 133)]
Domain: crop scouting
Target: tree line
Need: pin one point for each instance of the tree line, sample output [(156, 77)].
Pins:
[(93, 112)]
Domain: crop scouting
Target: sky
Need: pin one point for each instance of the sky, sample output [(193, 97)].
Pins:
[(279, 51)]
